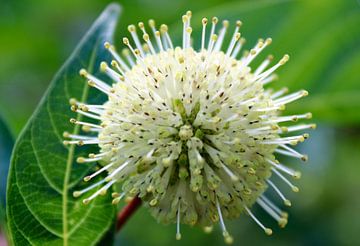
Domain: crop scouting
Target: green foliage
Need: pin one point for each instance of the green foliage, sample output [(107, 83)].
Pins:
[(40, 206)]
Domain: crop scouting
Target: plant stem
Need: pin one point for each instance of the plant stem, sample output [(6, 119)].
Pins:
[(127, 212)]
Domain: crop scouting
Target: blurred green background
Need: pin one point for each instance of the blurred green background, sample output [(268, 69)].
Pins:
[(323, 40)]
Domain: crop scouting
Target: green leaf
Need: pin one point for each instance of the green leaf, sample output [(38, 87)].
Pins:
[(322, 39), (40, 207)]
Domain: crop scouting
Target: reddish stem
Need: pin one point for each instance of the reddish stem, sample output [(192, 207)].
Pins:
[(127, 212)]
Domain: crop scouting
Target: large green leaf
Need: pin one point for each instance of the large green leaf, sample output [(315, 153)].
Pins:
[(323, 40), (40, 206)]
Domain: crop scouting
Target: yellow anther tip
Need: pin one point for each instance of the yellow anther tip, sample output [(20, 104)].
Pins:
[(268, 231), (126, 41), (297, 175), (284, 59), (283, 222), (208, 229), (153, 202), (115, 201), (185, 18), (178, 236), (87, 178), (204, 21), (72, 101), (83, 72), (238, 23), (107, 45), (66, 134), (141, 25), (215, 20), (164, 28), (86, 201), (229, 239), (131, 28), (268, 41), (304, 158), (151, 23), (80, 160), (103, 66), (295, 189), (76, 193), (287, 203)]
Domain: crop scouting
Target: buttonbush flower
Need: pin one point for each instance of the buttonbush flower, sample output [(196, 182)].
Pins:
[(193, 133)]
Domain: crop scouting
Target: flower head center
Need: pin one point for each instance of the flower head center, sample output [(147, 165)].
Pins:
[(186, 132)]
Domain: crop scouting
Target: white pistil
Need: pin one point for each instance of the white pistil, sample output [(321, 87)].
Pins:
[(153, 29), (235, 38), (116, 56), (232, 43), (89, 115), (265, 74), (117, 198), (116, 171), (158, 40), (290, 152), (278, 216), (126, 52), (279, 93), (263, 65), (268, 231), (268, 209), (222, 33), (279, 166), (269, 79), (104, 168), (238, 47), (76, 137), (293, 187), (281, 195), (300, 127), (204, 23), (178, 234), (110, 72), (164, 31), (101, 191), (132, 30), (272, 205), (233, 177), (87, 160), (290, 98), (228, 239), (76, 122), (79, 193), (214, 20), (257, 50), (95, 82)]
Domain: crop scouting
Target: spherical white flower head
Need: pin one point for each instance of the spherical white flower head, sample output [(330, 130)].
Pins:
[(192, 133)]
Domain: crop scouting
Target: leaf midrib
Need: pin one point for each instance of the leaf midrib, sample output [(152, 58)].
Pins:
[(71, 152)]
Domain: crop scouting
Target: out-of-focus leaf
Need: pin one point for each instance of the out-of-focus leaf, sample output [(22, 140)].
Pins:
[(40, 206), (323, 40), (6, 145)]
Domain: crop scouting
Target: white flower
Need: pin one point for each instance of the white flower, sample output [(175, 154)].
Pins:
[(193, 133)]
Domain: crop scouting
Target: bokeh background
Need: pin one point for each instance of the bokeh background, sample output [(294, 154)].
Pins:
[(323, 40)]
